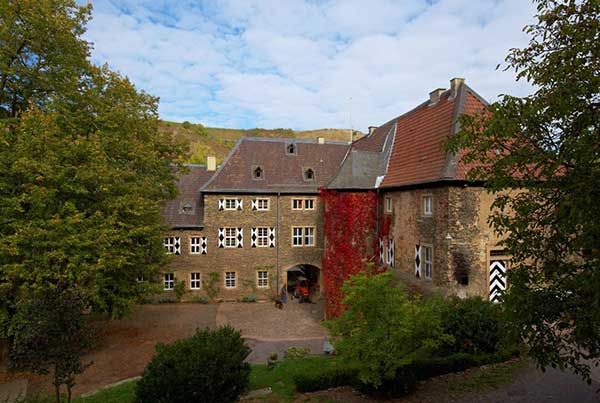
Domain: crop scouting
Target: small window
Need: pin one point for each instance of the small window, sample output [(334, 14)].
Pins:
[(187, 208), (291, 149), (427, 260), (297, 204), (230, 279), (309, 175), (389, 204), (309, 204), (309, 236), (303, 204), (231, 204), (195, 245), (262, 279), (262, 204), (169, 281), (141, 278), (262, 237), (303, 236), (428, 205), (297, 236), (195, 281), (258, 173), (231, 240), (172, 244)]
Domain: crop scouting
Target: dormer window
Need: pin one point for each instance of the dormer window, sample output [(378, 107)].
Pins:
[(258, 173), (309, 175), (291, 149), (187, 208)]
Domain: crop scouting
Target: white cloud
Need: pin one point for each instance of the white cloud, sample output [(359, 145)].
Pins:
[(296, 64)]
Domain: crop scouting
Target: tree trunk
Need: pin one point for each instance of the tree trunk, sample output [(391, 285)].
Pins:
[(57, 392)]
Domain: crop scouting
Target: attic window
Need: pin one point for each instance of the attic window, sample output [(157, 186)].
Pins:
[(309, 175), (258, 173), (291, 149), (187, 208)]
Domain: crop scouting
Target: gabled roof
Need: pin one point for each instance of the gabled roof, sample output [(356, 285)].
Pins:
[(282, 172), (175, 212)]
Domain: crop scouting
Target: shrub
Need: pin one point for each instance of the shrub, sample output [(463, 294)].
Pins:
[(326, 378), (249, 298), (474, 323), (207, 367), (199, 299), (179, 289), (296, 352)]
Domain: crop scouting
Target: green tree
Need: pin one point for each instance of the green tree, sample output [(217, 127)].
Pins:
[(382, 330), (51, 333), (540, 156), (84, 169)]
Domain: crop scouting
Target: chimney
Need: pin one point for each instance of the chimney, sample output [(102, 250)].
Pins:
[(455, 84), (321, 140), (372, 129), (434, 96), (211, 163)]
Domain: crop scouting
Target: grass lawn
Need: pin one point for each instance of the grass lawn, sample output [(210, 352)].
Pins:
[(280, 379)]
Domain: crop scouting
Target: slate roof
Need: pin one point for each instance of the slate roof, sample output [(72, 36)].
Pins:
[(189, 184), (282, 172)]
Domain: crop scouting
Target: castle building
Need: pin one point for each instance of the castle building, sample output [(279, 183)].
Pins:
[(255, 224)]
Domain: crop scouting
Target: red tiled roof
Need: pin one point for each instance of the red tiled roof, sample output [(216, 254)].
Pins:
[(417, 154), (282, 172)]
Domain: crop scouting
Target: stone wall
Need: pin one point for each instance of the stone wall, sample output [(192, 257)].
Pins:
[(457, 231), (246, 261)]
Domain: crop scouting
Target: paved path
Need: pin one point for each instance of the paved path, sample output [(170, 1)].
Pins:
[(13, 391)]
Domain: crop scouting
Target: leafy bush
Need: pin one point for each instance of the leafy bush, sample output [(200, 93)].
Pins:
[(296, 352), (207, 367), (326, 378), (199, 299), (249, 298), (382, 330), (179, 289), (474, 323)]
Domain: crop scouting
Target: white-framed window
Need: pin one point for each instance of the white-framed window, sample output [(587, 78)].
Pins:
[(172, 244), (303, 204), (231, 240), (169, 281), (428, 205), (195, 243), (389, 204), (262, 204), (427, 252), (230, 279), (262, 237), (231, 203), (262, 279), (141, 278), (195, 281), (303, 236)]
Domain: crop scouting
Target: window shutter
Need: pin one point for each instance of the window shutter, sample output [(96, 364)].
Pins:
[(240, 237), (221, 237), (254, 204), (391, 253), (418, 261), (381, 252), (271, 237), (253, 232), (203, 245), (240, 204), (177, 245), (221, 204)]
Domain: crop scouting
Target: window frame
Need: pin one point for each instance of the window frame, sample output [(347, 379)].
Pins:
[(193, 280), (424, 248), (194, 245), (168, 284), (265, 279), (226, 237), (227, 200), (428, 212), (302, 203), (258, 204), (306, 171), (262, 238), (234, 279), (294, 149), (170, 245), (303, 235), (389, 204), (256, 168)]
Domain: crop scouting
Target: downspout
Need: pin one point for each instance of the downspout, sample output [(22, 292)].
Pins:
[(278, 239)]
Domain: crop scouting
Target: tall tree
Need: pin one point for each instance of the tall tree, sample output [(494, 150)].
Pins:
[(84, 169), (540, 155)]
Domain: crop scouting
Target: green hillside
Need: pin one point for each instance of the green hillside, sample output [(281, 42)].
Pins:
[(216, 141)]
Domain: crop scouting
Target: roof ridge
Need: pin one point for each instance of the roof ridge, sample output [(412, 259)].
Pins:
[(292, 140)]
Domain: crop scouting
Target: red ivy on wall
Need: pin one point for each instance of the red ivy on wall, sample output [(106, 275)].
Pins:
[(351, 241)]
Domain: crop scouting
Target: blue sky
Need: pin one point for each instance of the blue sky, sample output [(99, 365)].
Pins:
[(306, 64)]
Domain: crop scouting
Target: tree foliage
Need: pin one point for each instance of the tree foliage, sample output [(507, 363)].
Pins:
[(540, 155), (382, 330)]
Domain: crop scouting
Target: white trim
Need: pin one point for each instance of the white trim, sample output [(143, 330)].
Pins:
[(232, 278), (264, 281), (197, 281), (168, 281)]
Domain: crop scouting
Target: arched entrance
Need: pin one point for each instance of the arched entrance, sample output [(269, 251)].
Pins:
[(301, 279)]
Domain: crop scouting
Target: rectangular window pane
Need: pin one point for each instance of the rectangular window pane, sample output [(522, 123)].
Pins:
[(428, 261), (309, 204), (309, 236), (262, 236), (262, 204), (230, 237), (169, 281), (297, 204), (230, 277), (263, 279), (428, 205), (195, 245), (297, 236), (195, 281)]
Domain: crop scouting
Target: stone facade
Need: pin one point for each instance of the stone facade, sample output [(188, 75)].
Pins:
[(457, 231), (246, 261)]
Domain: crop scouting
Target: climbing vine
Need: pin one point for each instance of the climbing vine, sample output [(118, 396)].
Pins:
[(350, 231)]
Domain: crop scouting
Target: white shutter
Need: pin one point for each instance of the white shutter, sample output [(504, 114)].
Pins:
[(253, 235), (391, 253), (418, 261), (240, 237), (240, 204), (271, 237), (254, 204), (203, 245), (221, 204), (221, 237), (497, 279), (381, 251), (177, 246)]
